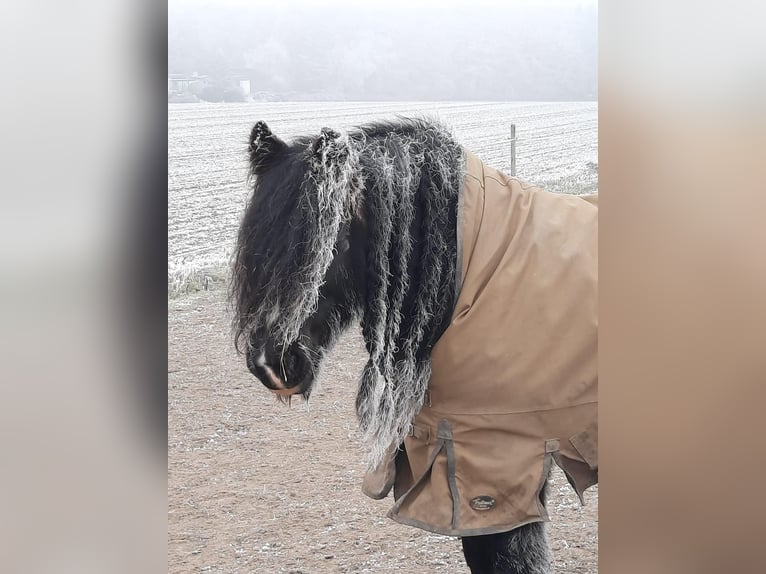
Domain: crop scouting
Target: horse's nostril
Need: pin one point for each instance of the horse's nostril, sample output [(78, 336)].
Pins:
[(286, 365), (294, 366)]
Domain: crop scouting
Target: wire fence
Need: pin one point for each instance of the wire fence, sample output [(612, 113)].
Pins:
[(518, 145)]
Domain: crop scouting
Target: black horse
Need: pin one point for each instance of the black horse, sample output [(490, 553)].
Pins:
[(351, 228)]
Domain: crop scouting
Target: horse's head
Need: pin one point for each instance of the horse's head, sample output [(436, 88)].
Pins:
[(298, 276)]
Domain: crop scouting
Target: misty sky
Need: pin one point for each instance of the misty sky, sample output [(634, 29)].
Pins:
[(392, 50)]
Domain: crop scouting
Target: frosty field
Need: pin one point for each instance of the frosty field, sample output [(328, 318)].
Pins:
[(557, 148)]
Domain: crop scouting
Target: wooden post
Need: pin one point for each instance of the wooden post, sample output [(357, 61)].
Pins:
[(513, 150)]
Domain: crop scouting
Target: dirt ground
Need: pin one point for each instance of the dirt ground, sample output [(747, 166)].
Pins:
[(255, 486)]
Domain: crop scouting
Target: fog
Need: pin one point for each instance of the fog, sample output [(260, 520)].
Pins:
[(389, 50)]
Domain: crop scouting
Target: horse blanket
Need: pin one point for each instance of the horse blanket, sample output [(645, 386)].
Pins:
[(514, 376)]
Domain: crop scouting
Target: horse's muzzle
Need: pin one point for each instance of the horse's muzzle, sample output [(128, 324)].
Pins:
[(284, 374)]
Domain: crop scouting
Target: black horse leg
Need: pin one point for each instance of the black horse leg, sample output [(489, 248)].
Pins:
[(523, 550)]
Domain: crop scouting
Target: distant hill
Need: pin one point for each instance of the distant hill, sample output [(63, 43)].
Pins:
[(474, 52)]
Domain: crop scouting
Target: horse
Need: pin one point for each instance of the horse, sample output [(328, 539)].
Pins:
[(364, 227)]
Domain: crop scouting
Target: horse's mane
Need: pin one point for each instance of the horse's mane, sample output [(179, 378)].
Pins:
[(403, 178), (413, 171)]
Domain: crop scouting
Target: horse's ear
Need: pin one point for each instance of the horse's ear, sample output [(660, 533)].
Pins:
[(327, 146), (264, 148), (326, 137)]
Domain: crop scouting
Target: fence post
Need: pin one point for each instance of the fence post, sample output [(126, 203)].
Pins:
[(513, 150)]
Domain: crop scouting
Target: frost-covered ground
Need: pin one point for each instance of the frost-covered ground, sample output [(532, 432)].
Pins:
[(557, 148)]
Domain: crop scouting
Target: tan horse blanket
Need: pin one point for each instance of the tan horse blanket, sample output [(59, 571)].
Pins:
[(514, 383)]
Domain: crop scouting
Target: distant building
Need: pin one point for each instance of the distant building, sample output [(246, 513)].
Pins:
[(244, 85), (184, 83), (191, 88)]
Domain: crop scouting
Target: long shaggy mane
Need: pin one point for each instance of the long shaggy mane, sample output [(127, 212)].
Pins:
[(414, 172), (403, 180)]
